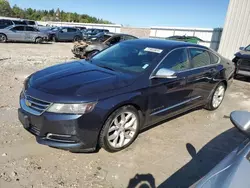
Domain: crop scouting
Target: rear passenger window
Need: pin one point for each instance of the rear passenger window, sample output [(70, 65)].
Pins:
[(214, 58), (176, 60), (72, 30), (199, 57), (30, 29)]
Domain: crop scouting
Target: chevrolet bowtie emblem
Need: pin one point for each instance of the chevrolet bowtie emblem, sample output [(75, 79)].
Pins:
[(27, 103)]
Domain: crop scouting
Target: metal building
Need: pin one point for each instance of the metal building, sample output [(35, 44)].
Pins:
[(236, 31)]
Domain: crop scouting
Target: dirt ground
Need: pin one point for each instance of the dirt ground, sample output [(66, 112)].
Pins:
[(175, 153)]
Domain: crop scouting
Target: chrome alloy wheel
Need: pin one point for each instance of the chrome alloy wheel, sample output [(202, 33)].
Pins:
[(122, 129), (218, 96)]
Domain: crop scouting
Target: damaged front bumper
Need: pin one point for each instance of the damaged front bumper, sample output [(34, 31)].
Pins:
[(79, 49)]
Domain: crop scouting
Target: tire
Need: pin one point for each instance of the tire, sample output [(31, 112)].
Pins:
[(115, 135), (38, 40), (3, 38), (76, 38), (212, 104), (91, 54), (54, 38)]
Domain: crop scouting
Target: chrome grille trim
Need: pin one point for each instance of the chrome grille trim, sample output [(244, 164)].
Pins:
[(35, 106)]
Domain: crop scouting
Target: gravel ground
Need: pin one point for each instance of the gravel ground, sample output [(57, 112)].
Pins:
[(175, 153)]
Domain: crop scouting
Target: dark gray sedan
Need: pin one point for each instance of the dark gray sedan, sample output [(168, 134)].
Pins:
[(22, 33)]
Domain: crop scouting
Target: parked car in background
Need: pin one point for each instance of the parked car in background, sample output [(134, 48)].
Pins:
[(233, 171), (9, 22), (22, 33), (65, 34), (106, 101), (98, 43), (81, 28), (90, 32), (242, 61), (191, 39)]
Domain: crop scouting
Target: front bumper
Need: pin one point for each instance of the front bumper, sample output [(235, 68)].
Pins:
[(79, 52), (58, 130), (243, 67)]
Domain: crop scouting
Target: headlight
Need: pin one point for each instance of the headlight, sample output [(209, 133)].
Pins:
[(82, 108)]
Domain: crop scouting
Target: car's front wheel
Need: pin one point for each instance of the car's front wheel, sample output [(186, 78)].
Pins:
[(120, 129), (3, 38), (38, 40), (76, 38), (216, 97)]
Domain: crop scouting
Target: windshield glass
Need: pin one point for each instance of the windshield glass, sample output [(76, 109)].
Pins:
[(127, 57), (247, 48)]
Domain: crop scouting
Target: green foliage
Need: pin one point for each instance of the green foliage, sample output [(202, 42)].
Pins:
[(5, 9), (46, 15)]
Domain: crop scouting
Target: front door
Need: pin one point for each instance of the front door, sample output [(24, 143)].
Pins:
[(16, 33), (169, 96), (64, 35)]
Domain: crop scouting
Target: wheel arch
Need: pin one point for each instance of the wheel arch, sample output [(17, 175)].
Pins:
[(4, 35)]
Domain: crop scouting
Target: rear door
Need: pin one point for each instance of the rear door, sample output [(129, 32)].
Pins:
[(31, 33), (16, 33), (203, 72), (72, 33)]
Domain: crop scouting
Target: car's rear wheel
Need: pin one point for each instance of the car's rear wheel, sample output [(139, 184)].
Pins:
[(217, 97), (38, 40), (76, 38), (120, 129), (3, 38)]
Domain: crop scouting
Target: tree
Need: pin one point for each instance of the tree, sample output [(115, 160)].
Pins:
[(5, 9), (46, 15), (18, 12)]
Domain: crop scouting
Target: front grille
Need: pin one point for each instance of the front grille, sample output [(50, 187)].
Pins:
[(36, 104), (244, 63), (34, 130)]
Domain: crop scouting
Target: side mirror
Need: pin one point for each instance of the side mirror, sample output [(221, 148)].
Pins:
[(61, 31), (242, 48), (241, 120), (165, 73)]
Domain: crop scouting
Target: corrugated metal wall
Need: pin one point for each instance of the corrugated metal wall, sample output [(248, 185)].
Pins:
[(236, 32), (210, 36)]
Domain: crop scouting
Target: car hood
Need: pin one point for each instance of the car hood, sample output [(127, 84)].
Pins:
[(231, 172), (78, 78), (243, 54)]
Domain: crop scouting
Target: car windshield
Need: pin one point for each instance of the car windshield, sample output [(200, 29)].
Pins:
[(247, 48), (127, 57)]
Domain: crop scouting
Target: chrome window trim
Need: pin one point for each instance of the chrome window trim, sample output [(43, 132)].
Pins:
[(176, 105), (186, 47)]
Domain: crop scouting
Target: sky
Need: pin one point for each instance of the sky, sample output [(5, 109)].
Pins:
[(142, 13)]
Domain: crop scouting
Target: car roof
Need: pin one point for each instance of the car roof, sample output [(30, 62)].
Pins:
[(163, 43)]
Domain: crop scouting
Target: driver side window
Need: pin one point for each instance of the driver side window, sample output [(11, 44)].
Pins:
[(177, 60), (64, 30)]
